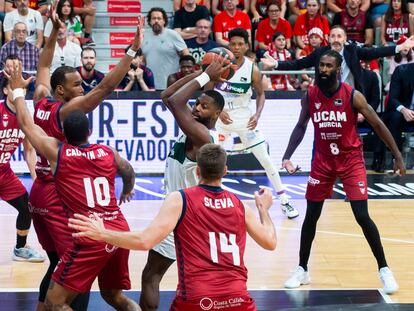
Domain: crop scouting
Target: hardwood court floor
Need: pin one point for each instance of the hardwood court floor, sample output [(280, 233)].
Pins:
[(340, 259)]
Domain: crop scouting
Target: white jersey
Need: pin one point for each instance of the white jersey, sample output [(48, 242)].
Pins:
[(180, 171), (237, 91)]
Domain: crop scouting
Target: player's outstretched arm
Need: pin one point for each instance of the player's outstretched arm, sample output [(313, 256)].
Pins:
[(300, 129), (30, 157), (260, 98), (45, 59), (126, 171), (47, 146), (158, 229), (90, 101), (262, 232), (379, 127)]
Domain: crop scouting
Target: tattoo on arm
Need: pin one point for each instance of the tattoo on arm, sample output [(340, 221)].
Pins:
[(126, 171)]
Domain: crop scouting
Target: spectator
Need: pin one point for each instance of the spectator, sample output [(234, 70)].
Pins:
[(217, 6), (351, 71), (201, 44), (86, 10), (337, 6), (38, 5), (30, 17), (395, 23), (139, 77), (259, 9), (305, 22), (162, 47), (8, 64), (66, 52), (2, 14), (270, 25), (403, 57), (357, 23), (65, 11), (187, 66), (230, 18), (178, 4), (377, 11), (316, 40), (299, 7), (277, 49), (27, 52), (90, 76), (185, 19)]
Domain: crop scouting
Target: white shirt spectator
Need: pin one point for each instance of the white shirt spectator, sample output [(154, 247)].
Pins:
[(33, 21), (69, 55)]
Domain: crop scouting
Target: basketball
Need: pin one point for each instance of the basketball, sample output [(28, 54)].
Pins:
[(209, 56)]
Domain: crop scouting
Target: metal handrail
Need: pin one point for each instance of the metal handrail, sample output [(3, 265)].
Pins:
[(288, 72)]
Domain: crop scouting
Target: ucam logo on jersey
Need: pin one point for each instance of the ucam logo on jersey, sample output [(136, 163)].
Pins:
[(338, 102)]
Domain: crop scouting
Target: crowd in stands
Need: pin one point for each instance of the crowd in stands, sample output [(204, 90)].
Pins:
[(283, 29)]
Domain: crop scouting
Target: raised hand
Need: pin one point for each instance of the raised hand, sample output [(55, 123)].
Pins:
[(57, 23), (268, 61), (216, 68), (126, 197), (139, 34), (15, 76), (263, 198)]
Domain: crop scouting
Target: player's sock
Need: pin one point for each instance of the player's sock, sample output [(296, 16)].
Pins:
[(44, 285), (263, 157), (313, 212), (21, 240), (283, 197), (371, 233)]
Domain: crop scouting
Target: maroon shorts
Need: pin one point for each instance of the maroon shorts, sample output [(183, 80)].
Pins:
[(10, 185), (50, 219), (230, 303), (81, 264), (349, 167)]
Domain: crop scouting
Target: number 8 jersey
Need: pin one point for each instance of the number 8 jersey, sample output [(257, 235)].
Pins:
[(334, 120), (210, 240)]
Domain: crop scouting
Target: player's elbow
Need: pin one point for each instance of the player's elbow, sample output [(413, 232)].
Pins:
[(270, 245)]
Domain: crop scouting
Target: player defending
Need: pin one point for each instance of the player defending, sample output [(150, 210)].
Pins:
[(11, 188), (333, 108), (209, 226), (84, 176), (66, 87), (237, 116), (180, 169)]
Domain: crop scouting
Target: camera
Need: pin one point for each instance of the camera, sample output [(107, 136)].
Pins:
[(396, 36), (132, 66)]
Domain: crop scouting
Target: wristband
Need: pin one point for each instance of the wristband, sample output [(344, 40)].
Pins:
[(18, 93), (399, 108), (131, 52), (203, 79)]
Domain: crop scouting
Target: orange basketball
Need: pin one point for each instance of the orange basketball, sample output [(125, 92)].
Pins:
[(210, 55)]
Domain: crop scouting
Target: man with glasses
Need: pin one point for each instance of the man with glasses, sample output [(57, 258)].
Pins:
[(27, 52)]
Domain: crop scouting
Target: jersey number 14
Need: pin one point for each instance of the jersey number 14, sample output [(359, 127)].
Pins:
[(227, 245)]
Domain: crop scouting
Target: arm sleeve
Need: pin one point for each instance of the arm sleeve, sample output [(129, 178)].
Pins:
[(302, 63), (373, 53)]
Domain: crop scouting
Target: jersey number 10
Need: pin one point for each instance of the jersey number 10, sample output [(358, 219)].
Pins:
[(101, 187)]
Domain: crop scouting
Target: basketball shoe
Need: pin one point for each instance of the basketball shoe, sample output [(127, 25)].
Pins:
[(387, 278), (298, 278), (27, 253)]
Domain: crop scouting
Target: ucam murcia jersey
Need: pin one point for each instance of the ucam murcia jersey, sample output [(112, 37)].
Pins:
[(46, 116), (10, 135), (334, 120), (237, 91), (180, 171)]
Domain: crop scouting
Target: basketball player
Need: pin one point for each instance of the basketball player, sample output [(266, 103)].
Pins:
[(84, 176), (209, 226), (11, 188), (66, 87), (180, 169), (333, 108), (237, 117)]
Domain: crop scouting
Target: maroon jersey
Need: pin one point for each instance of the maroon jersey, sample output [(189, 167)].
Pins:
[(399, 24), (10, 135), (354, 26), (334, 120), (46, 115), (210, 240)]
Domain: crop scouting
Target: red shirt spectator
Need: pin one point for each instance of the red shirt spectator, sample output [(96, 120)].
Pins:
[(395, 23), (229, 19)]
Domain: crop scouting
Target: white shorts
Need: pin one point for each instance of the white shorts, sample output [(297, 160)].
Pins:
[(249, 138), (166, 247)]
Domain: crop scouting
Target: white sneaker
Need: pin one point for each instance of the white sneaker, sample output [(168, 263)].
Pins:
[(387, 278), (289, 210), (299, 277), (28, 254)]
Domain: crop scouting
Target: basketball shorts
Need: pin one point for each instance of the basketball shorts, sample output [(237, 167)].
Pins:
[(50, 219), (230, 303), (10, 185), (349, 167), (166, 247), (240, 117), (82, 263)]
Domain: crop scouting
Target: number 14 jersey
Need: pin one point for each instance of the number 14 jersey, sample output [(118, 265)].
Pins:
[(334, 120), (210, 240)]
